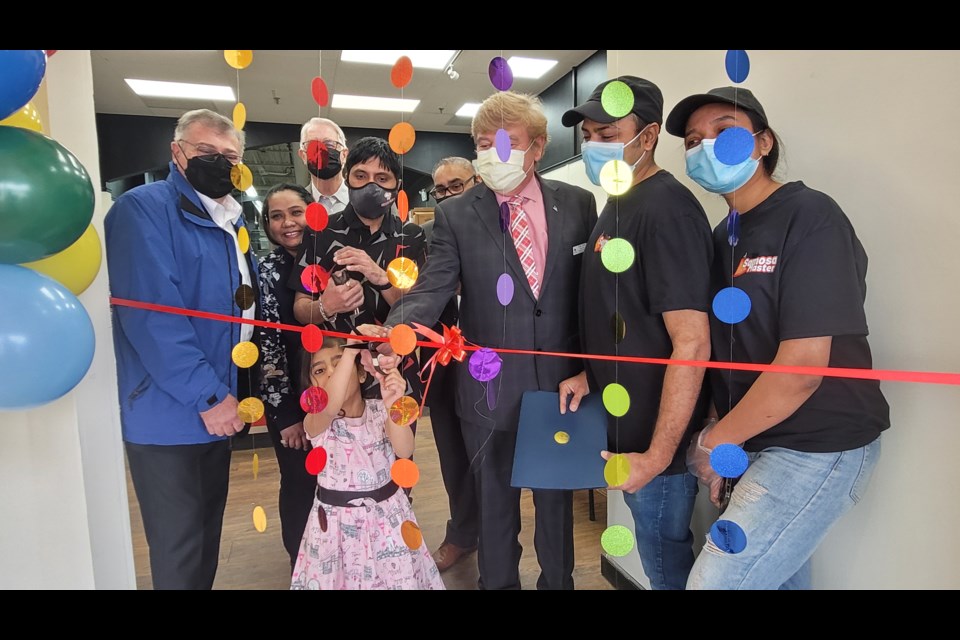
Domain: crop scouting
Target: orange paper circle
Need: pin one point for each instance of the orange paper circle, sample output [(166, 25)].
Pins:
[(404, 411), (402, 72), (403, 339), (402, 273), (411, 534), (405, 473), (238, 58), (403, 205), (401, 138)]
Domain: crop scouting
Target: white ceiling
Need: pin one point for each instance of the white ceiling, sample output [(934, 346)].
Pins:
[(276, 86)]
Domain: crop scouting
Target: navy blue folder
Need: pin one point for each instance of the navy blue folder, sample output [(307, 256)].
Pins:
[(541, 462)]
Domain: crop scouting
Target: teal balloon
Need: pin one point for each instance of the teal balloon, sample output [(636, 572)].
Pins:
[(21, 72), (46, 339), (46, 197)]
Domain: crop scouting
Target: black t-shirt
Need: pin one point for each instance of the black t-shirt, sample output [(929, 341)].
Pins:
[(801, 264), (392, 240), (671, 237)]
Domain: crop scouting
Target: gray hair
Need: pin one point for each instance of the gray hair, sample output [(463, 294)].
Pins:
[(211, 119), (322, 121), (463, 163)]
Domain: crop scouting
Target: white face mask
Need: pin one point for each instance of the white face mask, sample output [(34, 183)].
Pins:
[(502, 177)]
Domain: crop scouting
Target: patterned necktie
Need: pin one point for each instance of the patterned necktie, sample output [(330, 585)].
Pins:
[(522, 234)]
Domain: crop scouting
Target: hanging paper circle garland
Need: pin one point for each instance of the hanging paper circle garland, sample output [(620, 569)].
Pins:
[(484, 364), (728, 536), (617, 255), (403, 205), (318, 89), (259, 519), (313, 399), (318, 154), (402, 72), (316, 216), (504, 216), (402, 137), (617, 540), (405, 473), (402, 273), (737, 63), (239, 115), (403, 340), (245, 354), (617, 99), (617, 470), (404, 411), (504, 289), (729, 460), (241, 177), (311, 338), (316, 460), (616, 177), (733, 145), (616, 399), (731, 305), (250, 409), (314, 278), (243, 239), (501, 75), (503, 145), (619, 327), (244, 296), (238, 58), (411, 534)]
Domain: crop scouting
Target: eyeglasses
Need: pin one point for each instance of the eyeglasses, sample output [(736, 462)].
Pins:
[(454, 188), (331, 145), (207, 150)]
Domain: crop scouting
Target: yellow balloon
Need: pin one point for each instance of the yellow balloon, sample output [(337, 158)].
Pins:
[(75, 267), (26, 118)]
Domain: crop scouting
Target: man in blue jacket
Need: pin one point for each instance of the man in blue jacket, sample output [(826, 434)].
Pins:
[(175, 243)]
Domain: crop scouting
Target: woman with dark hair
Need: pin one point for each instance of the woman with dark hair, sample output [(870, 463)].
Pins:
[(812, 441), (283, 221)]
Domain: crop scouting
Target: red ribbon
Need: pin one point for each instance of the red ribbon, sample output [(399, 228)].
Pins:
[(450, 346), (893, 375)]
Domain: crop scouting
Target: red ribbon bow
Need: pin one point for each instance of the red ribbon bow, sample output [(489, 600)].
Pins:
[(449, 347)]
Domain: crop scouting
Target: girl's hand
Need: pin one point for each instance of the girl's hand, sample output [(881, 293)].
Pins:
[(392, 387)]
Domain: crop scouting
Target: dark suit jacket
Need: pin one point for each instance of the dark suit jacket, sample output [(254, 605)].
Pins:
[(468, 247)]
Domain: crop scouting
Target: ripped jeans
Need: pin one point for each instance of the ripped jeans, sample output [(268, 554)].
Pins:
[(785, 503)]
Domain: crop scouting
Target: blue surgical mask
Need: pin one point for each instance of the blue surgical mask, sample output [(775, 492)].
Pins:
[(597, 154), (706, 170)]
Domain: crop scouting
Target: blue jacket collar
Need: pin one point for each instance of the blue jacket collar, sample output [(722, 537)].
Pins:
[(190, 206)]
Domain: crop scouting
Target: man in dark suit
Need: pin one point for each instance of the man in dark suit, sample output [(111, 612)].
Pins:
[(550, 222)]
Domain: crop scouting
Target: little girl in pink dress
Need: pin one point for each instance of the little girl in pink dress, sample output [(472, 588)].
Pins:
[(353, 537)]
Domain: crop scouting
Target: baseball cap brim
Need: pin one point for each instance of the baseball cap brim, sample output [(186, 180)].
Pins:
[(591, 109), (680, 114)]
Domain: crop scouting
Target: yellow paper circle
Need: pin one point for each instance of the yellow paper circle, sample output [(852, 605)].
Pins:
[(256, 465), (245, 354), (402, 273), (616, 177), (404, 411), (617, 470), (616, 399), (241, 177), (238, 58), (239, 115), (259, 519), (27, 117), (250, 409), (243, 239), (75, 267), (561, 437)]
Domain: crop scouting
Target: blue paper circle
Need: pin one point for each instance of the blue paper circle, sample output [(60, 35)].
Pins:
[(731, 305), (729, 460), (502, 143), (504, 216), (734, 145), (738, 65), (505, 289), (728, 536)]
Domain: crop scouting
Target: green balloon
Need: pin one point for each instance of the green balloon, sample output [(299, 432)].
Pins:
[(46, 197)]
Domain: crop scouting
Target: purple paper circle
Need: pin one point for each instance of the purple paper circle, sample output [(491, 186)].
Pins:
[(738, 65), (734, 145), (504, 217), (500, 74), (505, 289), (503, 145), (485, 364)]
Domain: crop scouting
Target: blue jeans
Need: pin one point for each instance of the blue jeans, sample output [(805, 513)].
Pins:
[(661, 515), (785, 503)]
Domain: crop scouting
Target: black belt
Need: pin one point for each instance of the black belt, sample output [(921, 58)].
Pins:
[(344, 498)]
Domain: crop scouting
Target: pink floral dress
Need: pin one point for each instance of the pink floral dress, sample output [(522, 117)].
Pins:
[(362, 547)]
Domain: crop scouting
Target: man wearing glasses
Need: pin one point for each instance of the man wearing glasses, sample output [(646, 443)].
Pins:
[(451, 177), (175, 242), (326, 170)]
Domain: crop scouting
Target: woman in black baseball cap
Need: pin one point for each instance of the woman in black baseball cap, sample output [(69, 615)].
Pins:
[(812, 440)]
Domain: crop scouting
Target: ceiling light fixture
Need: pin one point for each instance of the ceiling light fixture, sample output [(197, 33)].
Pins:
[(162, 89), (373, 103)]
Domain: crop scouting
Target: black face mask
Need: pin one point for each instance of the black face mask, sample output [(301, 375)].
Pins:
[(332, 168), (210, 175), (372, 201)]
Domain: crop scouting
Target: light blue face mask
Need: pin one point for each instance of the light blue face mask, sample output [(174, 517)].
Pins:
[(706, 170), (597, 154)]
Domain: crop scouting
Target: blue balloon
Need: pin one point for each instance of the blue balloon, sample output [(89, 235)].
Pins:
[(21, 72), (46, 339)]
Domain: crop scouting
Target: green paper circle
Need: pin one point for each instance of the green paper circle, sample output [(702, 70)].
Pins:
[(617, 470), (619, 328), (617, 255), (617, 540), (616, 399), (617, 99)]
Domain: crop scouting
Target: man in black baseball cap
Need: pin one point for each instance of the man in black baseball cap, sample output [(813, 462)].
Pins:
[(740, 98), (656, 307)]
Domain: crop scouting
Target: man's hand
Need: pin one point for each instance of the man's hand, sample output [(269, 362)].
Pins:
[(644, 467), (572, 390), (294, 437), (360, 261), (342, 298), (222, 420)]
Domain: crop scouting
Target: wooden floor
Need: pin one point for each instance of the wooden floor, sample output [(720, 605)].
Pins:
[(252, 560)]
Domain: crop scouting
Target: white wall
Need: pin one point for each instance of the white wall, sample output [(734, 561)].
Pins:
[(877, 132), (62, 478)]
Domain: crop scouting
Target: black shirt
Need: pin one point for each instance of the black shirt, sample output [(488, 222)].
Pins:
[(670, 234), (804, 269), (390, 241)]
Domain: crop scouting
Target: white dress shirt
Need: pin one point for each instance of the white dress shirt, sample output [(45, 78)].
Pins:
[(335, 203)]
